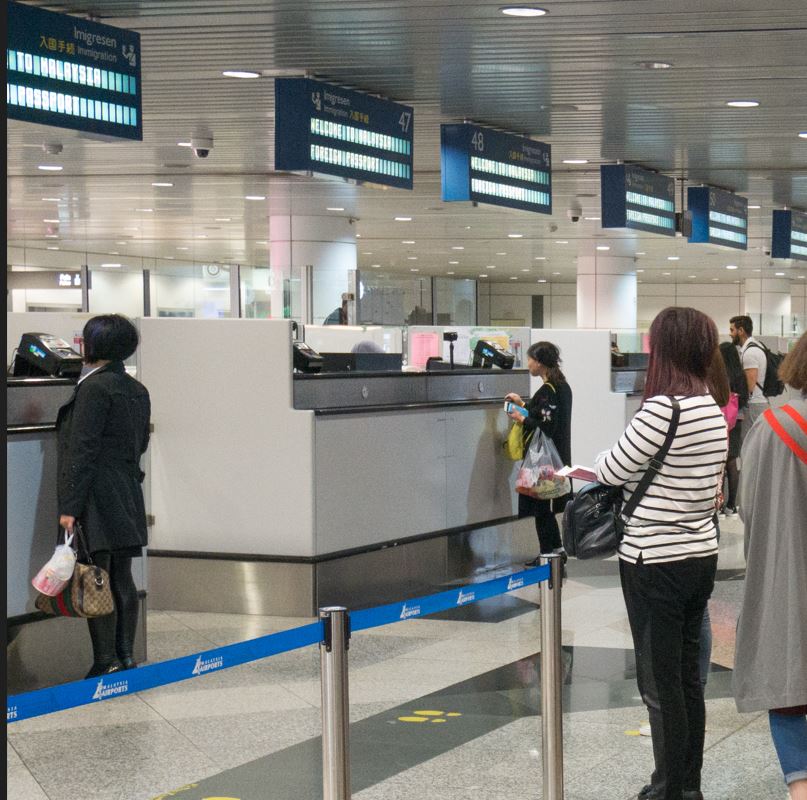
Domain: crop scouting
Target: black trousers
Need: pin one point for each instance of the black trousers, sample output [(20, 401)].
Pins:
[(546, 524), (113, 635), (665, 604)]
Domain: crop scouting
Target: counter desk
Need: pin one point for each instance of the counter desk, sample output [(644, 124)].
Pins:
[(277, 493), (42, 650)]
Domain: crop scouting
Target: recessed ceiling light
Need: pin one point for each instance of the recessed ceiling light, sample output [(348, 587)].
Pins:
[(358, 236), (121, 242), (743, 103), (414, 270), (145, 210), (334, 208), (575, 161), (376, 266), (757, 270), (183, 248), (184, 144), (51, 199), (162, 183), (515, 235), (540, 258), (254, 197), (367, 252), (490, 266), (114, 253), (513, 278), (403, 219), (779, 274), (450, 273), (803, 135), (640, 270), (50, 168), (715, 279), (562, 241), (603, 247), (653, 64), (523, 11), (240, 73), (483, 275), (454, 263), (591, 219), (640, 254), (731, 266), (111, 266), (169, 258), (692, 276), (408, 241), (556, 273), (802, 277), (223, 219), (501, 254), (56, 221), (53, 247), (752, 207), (666, 273), (411, 258), (201, 236), (457, 248), (525, 269), (261, 241), (673, 258), (51, 235)]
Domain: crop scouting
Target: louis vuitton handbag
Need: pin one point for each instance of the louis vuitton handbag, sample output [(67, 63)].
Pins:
[(88, 593)]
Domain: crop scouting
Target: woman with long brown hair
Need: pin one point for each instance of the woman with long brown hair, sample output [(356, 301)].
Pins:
[(668, 554)]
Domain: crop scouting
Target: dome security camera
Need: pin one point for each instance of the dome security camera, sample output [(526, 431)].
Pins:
[(574, 213), (202, 145), (53, 148)]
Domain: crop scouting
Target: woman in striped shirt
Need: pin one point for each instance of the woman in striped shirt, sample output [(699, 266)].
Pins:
[(668, 554)]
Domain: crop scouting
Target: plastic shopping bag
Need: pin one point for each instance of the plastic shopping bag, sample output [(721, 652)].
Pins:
[(537, 476), (56, 574)]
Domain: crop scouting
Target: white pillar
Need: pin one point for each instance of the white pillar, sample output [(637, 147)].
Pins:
[(768, 303), (327, 243), (606, 293)]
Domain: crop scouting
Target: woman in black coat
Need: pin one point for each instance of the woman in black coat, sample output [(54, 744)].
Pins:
[(102, 432), (550, 410)]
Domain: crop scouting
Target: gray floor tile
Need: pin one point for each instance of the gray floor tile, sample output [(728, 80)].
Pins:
[(21, 785)]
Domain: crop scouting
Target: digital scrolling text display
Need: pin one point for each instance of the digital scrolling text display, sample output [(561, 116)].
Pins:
[(634, 197), (327, 129), (72, 73), (789, 239), (487, 166), (718, 217)]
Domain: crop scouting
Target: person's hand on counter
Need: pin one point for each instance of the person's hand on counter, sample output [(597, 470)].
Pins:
[(67, 522), (514, 398)]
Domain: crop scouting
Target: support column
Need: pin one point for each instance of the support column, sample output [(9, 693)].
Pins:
[(328, 244), (768, 303), (606, 293)]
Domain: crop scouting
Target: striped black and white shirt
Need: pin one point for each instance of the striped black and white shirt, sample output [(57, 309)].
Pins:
[(675, 518)]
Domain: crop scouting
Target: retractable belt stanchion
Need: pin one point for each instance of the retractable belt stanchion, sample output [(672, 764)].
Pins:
[(551, 680), (335, 707)]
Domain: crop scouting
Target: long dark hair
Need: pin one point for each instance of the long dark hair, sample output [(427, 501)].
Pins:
[(548, 354), (718, 381), (734, 368), (683, 342)]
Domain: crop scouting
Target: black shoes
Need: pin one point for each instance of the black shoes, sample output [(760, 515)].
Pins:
[(651, 792), (127, 662), (103, 669)]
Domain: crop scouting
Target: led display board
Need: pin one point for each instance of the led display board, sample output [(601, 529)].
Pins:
[(789, 238), (718, 217), (72, 73), (488, 166), (634, 197), (324, 128)]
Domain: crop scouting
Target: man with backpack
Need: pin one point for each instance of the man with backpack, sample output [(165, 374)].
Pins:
[(760, 366)]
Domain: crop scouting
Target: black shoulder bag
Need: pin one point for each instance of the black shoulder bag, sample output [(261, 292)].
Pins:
[(594, 519)]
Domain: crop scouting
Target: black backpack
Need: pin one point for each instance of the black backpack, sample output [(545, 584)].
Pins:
[(771, 386)]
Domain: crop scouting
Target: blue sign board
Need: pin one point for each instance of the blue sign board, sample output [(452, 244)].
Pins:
[(789, 238), (718, 217), (324, 128), (634, 197), (487, 166), (72, 73)]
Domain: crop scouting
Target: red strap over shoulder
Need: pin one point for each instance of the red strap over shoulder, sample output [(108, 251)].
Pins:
[(794, 446)]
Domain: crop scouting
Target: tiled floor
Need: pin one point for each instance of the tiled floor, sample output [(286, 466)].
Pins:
[(252, 732)]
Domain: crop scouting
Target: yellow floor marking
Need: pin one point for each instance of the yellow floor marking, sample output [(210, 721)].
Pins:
[(413, 719), (429, 713), (454, 714), (438, 720), (632, 733)]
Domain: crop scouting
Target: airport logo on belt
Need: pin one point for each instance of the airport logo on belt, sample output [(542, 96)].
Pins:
[(207, 665), (103, 691), (465, 597), (515, 583), (410, 611), (11, 713)]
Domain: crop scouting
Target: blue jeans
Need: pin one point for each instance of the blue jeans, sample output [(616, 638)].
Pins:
[(789, 735)]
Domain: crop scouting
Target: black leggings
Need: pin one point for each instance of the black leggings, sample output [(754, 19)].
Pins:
[(546, 526), (113, 635), (733, 476)]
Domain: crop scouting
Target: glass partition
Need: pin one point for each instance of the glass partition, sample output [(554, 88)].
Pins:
[(454, 301), (394, 300)]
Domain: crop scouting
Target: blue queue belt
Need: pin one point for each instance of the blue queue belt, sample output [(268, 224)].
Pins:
[(117, 684)]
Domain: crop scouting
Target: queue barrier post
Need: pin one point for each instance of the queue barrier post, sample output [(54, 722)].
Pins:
[(335, 704), (551, 679)]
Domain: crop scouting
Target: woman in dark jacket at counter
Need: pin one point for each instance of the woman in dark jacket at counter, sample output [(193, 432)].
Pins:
[(102, 432), (550, 410)]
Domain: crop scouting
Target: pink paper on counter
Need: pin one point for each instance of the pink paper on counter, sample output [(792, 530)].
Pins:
[(423, 346)]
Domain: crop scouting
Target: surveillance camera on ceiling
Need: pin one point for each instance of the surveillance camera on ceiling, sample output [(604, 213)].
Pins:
[(53, 148), (202, 145), (574, 213)]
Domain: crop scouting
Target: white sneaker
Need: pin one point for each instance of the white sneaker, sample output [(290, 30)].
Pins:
[(644, 730)]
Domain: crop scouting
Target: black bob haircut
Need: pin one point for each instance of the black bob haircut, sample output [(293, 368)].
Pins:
[(109, 337)]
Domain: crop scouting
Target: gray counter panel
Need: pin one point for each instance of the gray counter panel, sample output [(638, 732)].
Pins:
[(36, 402)]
